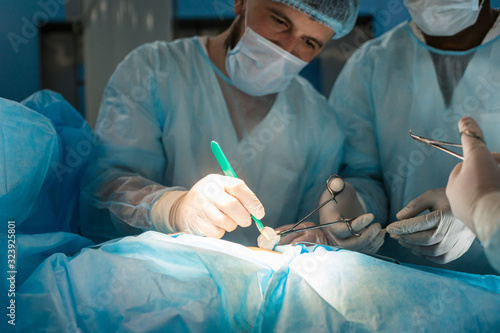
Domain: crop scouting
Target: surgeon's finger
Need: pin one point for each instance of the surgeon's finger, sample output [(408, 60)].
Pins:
[(230, 206), (222, 222), (238, 189), (287, 239), (287, 226), (368, 235), (471, 135), (315, 237), (341, 231), (417, 206), (377, 243), (415, 224), (422, 238), (218, 223)]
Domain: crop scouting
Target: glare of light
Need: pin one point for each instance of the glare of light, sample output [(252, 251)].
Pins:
[(150, 21), (104, 7)]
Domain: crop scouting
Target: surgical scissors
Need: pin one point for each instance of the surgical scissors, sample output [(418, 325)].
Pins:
[(438, 144), (338, 187)]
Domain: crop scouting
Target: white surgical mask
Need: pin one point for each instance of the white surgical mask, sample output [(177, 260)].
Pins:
[(443, 17), (259, 67)]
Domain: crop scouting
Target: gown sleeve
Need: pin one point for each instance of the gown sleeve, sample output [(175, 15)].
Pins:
[(351, 98), (123, 181), (326, 142)]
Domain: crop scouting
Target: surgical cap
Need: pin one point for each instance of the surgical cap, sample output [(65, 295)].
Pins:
[(338, 15)]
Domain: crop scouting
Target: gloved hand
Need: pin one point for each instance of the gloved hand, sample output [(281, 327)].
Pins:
[(437, 236), (309, 236), (476, 177), (372, 237), (214, 205)]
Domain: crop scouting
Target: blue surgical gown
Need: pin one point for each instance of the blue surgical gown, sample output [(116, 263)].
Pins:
[(396, 83), (160, 111)]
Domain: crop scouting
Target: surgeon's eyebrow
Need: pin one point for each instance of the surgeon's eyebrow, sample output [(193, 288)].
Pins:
[(283, 17)]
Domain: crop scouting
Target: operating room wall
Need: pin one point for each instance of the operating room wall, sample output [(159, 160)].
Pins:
[(19, 49), (20, 52), (113, 28)]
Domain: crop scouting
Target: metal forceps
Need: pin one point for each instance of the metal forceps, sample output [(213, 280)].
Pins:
[(340, 187), (438, 144)]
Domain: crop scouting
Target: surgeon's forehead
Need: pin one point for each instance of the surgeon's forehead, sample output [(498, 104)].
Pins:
[(284, 9), (280, 5)]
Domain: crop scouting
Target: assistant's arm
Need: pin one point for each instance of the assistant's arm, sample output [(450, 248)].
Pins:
[(351, 98)]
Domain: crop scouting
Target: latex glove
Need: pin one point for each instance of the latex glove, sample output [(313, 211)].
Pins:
[(315, 236), (214, 205), (372, 237), (477, 176), (437, 236)]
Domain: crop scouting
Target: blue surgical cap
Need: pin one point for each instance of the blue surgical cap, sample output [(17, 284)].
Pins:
[(338, 15)]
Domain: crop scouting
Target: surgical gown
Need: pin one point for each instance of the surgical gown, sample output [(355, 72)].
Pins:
[(160, 111), (396, 83)]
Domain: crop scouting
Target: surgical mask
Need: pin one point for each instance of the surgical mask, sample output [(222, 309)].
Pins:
[(259, 67), (443, 17)]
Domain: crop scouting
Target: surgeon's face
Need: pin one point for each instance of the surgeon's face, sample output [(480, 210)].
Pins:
[(288, 28)]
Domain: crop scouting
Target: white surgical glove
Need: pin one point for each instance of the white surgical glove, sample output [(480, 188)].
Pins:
[(214, 205), (473, 179), (437, 236), (372, 237)]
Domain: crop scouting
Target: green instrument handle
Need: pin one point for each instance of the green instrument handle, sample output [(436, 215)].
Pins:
[(228, 171)]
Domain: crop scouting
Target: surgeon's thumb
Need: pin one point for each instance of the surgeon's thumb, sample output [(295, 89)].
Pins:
[(471, 135)]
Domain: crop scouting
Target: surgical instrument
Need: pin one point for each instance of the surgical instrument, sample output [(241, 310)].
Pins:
[(337, 187), (438, 144), (228, 171)]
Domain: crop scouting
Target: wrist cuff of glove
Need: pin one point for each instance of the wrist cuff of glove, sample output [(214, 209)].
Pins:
[(486, 216), (160, 213)]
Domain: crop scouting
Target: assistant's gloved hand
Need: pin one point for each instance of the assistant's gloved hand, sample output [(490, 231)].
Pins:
[(476, 177), (315, 236), (437, 236), (372, 237), (214, 205)]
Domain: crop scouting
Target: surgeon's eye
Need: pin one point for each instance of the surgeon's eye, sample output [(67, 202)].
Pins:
[(311, 44), (279, 21)]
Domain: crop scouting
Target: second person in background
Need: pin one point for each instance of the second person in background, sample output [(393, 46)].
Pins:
[(153, 168), (423, 75)]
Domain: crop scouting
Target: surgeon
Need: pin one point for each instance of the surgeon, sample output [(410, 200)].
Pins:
[(153, 168), (423, 75), (474, 190)]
